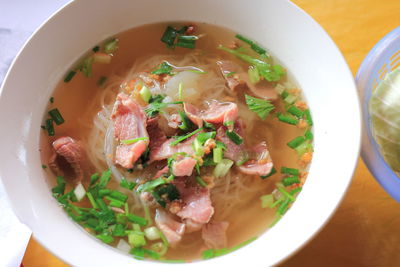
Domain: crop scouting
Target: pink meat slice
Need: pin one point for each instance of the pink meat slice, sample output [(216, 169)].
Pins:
[(183, 167), (261, 165), (214, 234), (68, 159), (233, 151), (129, 123), (237, 79), (172, 229), (164, 150), (156, 135), (197, 209), (216, 112)]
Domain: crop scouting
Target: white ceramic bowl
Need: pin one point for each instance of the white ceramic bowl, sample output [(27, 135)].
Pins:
[(290, 34)]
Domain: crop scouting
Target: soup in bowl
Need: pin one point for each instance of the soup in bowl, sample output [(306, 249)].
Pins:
[(179, 141)]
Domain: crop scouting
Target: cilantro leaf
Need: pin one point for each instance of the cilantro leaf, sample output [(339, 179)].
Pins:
[(259, 106)]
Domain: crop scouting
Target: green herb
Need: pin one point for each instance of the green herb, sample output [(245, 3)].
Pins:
[(60, 188), (295, 191), (254, 75), (203, 137), (44, 166), (259, 106), (119, 230), (111, 46), (290, 180), (105, 178), (200, 181), (134, 140), (266, 200), (138, 253), (283, 207), (169, 36), (51, 100), (291, 171), (92, 200), (309, 135), (218, 154), (252, 44), (296, 142), (164, 193), (156, 107), (126, 184), (136, 219), (94, 178), (101, 81), (287, 119), (284, 94), (286, 193), (50, 127), (56, 116), (96, 49), (186, 124), (303, 148), (295, 111), (150, 185), (273, 171), (163, 68), (69, 76), (86, 67), (208, 125), (106, 238), (237, 139), (222, 168), (187, 41), (180, 91), (308, 117), (184, 137)]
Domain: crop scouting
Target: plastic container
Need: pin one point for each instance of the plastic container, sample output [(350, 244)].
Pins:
[(382, 59)]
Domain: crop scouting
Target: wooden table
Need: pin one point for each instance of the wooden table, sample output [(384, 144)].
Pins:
[(364, 229)]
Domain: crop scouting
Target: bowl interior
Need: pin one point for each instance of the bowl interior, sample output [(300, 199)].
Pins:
[(285, 30)]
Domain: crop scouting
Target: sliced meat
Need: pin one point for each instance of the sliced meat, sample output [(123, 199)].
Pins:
[(174, 121), (69, 158), (156, 135), (183, 167), (214, 234), (197, 209), (172, 229), (237, 79), (165, 150), (129, 123), (216, 112), (261, 165), (161, 172), (233, 151)]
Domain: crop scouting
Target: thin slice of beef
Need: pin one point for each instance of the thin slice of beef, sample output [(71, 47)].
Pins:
[(129, 123), (173, 230), (233, 151), (183, 167), (69, 158), (214, 234), (216, 112), (165, 150), (237, 79), (261, 164)]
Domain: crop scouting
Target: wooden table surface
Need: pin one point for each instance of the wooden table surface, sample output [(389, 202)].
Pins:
[(364, 229)]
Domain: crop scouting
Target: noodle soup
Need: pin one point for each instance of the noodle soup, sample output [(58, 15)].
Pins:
[(182, 148)]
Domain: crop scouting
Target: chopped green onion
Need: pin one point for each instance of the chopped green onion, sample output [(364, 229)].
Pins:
[(119, 230), (200, 181), (101, 81), (237, 139), (60, 188), (134, 140), (136, 239), (295, 191), (126, 184), (187, 41), (155, 107), (92, 200), (259, 106), (69, 76), (222, 168), (180, 91), (94, 178), (105, 178), (152, 233), (105, 238), (186, 123), (252, 44), (163, 68), (118, 195), (303, 148), (295, 111), (169, 36), (198, 148), (254, 76), (51, 100), (44, 166), (50, 127), (283, 207), (266, 200), (138, 253), (290, 180), (150, 185), (145, 94), (296, 142), (203, 137), (308, 117), (273, 171), (56, 116), (86, 67), (290, 99), (184, 137), (287, 119), (291, 171), (217, 154), (111, 46), (96, 49), (309, 135), (286, 193), (208, 125), (284, 94), (101, 58), (136, 219), (160, 248)]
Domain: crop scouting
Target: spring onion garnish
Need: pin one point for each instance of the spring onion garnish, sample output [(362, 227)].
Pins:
[(184, 137), (200, 181), (44, 166), (169, 36), (295, 191), (308, 117), (186, 124), (217, 154), (267, 200), (237, 139), (51, 100), (203, 137), (56, 116), (273, 171), (290, 180), (150, 185), (134, 140), (252, 44), (291, 171), (111, 46), (164, 193), (222, 168), (145, 94), (163, 68), (198, 148), (152, 233), (303, 148), (308, 135), (286, 193), (259, 106), (106, 238), (208, 125), (295, 111), (136, 219), (86, 67), (287, 119), (187, 41), (126, 184), (290, 99), (180, 91), (69, 76), (296, 142), (254, 76), (284, 94), (156, 106), (283, 207), (96, 49), (50, 127)]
